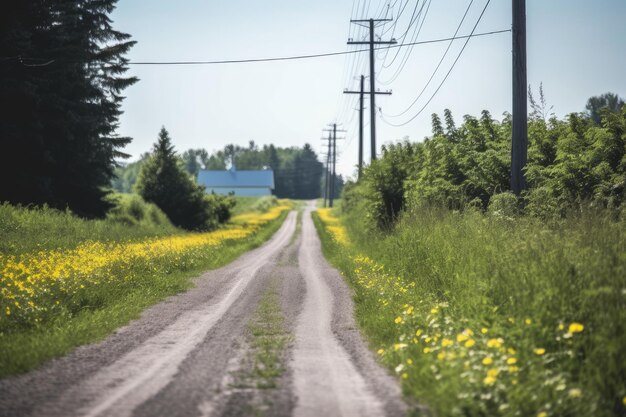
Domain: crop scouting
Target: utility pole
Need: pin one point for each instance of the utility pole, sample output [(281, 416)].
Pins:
[(326, 179), (333, 175), (371, 44), (519, 141), (361, 108), (361, 92)]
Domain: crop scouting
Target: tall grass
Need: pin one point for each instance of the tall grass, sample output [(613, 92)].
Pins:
[(26, 229), (543, 305)]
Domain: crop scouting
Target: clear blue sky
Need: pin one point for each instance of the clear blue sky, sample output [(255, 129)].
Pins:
[(575, 47)]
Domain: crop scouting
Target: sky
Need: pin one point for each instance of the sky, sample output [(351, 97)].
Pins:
[(575, 48)]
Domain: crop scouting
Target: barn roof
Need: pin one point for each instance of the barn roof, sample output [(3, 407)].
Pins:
[(234, 178)]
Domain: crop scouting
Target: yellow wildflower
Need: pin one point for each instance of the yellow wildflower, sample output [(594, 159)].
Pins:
[(528, 322), (470, 343), (542, 414), (381, 351), (488, 360), (511, 361), (484, 330), (461, 337), (575, 393), (418, 333), (398, 320), (489, 380), (409, 361), (495, 343), (539, 351), (575, 328), (446, 342), (513, 369), (441, 356), (405, 376), (399, 346)]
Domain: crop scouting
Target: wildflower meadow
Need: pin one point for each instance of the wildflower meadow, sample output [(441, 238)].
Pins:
[(485, 354)]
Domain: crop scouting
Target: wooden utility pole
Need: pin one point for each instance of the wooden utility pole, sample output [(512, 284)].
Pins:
[(361, 93), (332, 137), (519, 141), (332, 178), (371, 43), (327, 174), (361, 108)]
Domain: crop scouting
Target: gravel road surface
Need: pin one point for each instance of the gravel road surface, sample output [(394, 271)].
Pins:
[(197, 353)]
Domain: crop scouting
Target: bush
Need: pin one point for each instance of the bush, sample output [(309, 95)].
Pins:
[(504, 205), (384, 183), (131, 209)]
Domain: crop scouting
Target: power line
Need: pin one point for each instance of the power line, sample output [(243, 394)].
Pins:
[(407, 55), (438, 65), (448, 73), (298, 57)]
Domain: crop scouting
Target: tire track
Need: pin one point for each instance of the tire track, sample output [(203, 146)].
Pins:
[(330, 380)]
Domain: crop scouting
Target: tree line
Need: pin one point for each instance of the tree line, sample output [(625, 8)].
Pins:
[(575, 162), (298, 173)]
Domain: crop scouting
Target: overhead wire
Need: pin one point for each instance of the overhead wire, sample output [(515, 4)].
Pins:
[(432, 76), (447, 74), (402, 38), (408, 52), (310, 56)]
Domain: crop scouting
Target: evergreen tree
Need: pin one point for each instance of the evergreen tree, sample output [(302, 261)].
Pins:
[(61, 90), (164, 182)]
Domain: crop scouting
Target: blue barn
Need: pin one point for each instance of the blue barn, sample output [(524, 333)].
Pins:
[(241, 183)]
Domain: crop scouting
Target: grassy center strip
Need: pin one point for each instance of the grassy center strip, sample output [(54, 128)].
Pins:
[(269, 339)]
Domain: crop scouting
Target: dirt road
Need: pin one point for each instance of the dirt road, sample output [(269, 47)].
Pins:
[(270, 334)]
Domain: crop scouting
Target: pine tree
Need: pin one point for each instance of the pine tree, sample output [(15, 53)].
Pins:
[(62, 92), (164, 182)]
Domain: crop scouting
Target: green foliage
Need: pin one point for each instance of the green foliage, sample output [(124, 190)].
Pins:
[(194, 160), (62, 83), (504, 205), (572, 164), (596, 104), (164, 182), (132, 210), (126, 175), (384, 183)]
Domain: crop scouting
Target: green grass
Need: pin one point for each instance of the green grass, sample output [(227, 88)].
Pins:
[(438, 273), (112, 306), (269, 339), (249, 204), (29, 229)]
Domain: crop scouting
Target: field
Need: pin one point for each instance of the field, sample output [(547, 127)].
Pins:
[(482, 314), (89, 277)]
